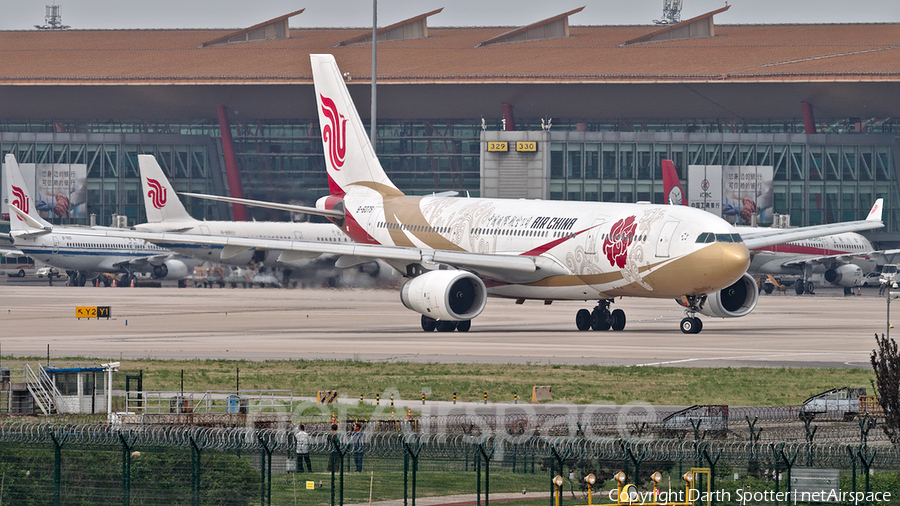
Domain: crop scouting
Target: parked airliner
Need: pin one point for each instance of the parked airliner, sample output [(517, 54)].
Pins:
[(457, 251), (844, 259), (83, 257), (165, 213)]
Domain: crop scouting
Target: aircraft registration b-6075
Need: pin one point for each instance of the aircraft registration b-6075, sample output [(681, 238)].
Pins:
[(457, 251)]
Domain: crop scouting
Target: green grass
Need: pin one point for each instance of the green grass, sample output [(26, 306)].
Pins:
[(571, 384)]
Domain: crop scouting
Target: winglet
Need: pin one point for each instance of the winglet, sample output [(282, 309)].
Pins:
[(875, 213), (672, 185)]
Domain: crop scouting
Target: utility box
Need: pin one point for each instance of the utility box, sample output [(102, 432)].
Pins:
[(236, 404)]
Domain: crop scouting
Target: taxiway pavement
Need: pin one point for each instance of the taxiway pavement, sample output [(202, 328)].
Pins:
[(372, 325)]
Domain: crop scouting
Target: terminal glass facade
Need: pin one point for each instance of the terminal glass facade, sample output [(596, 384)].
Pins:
[(817, 178)]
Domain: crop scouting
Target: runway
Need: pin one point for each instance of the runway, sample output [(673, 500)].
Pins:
[(372, 325)]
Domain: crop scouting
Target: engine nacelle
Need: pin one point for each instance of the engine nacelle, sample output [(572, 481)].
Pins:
[(845, 275), (735, 301), (170, 269), (445, 295)]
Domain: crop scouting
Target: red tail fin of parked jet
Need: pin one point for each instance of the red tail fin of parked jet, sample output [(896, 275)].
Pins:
[(672, 185)]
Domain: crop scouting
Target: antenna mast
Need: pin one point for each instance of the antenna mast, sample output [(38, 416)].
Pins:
[(671, 13)]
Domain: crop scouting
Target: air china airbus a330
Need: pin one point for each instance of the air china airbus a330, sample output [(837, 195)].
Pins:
[(457, 251)]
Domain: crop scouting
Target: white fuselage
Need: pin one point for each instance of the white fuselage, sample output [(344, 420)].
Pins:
[(91, 254), (787, 258), (319, 232), (604, 249)]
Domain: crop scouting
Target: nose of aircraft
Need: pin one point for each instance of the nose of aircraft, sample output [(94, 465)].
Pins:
[(735, 259)]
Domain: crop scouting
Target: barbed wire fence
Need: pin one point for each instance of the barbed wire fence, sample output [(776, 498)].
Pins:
[(47, 463)]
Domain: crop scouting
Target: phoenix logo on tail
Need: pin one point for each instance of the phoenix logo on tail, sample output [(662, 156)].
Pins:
[(157, 193), (335, 134), (20, 200)]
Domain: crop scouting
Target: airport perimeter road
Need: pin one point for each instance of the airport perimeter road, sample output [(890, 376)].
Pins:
[(372, 325)]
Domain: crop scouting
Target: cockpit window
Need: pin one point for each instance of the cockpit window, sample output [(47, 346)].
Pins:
[(707, 237)]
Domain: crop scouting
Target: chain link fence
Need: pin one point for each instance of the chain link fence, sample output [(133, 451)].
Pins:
[(72, 464)]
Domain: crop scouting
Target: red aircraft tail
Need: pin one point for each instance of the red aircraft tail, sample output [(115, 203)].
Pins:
[(672, 185)]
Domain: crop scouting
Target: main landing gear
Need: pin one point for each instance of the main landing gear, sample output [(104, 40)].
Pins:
[(600, 318), (691, 324), (430, 324)]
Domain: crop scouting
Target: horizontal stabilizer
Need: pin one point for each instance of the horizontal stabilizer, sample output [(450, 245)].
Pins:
[(270, 205), (43, 227)]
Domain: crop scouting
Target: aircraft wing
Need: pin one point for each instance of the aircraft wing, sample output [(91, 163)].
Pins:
[(269, 205), (517, 268), (881, 255), (759, 238), (770, 236)]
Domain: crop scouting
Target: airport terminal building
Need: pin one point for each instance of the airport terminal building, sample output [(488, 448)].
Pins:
[(581, 112)]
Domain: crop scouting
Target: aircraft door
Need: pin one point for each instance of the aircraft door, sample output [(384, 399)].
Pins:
[(665, 239), (55, 245), (204, 229), (590, 241)]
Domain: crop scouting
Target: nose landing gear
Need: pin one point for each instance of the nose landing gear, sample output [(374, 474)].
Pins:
[(691, 324)]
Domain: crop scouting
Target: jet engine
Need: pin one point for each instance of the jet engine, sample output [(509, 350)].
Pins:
[(735, 301), (170, 269), (445, 295), (845, 275)]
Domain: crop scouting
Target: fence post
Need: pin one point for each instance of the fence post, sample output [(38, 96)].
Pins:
[(712, 467), (866, 464), (197, 445), (127, 447), (810, 435), (487, 468), (265, 486), (636, 460), (853, 465), (555, 458), (413, 454), (58, 441), (753, 463)]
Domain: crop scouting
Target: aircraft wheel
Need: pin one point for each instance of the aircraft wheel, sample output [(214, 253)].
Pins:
[(428, 324), (600, 319), (618, 319), (799, 288), (125, 280), (445, 326), (698, 325), (769, 288), (106, 281), (687, 325), (810, 288), (464, 326), (583, 319)]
